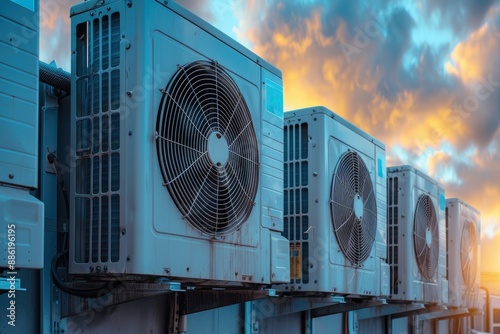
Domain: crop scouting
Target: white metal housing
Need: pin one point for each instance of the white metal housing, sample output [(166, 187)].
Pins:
[(127, 57), (416, 236), (21, 214), (316, 143), (463, 224), (19, 95)]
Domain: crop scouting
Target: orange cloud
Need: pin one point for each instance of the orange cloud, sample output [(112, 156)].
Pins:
[(472, 56), (292, 50), (55, 30)]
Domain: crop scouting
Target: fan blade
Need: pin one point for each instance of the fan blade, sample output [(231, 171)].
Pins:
[(355, 231), (201, 99)]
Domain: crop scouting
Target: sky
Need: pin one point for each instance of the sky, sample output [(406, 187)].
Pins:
[(421, 76)]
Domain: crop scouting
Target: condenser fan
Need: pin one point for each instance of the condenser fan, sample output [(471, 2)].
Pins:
[(426, 237), (468, 254), (353, 208), (207, 148)]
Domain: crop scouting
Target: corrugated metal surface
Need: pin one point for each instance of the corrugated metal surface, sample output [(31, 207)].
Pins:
[(19, 94)]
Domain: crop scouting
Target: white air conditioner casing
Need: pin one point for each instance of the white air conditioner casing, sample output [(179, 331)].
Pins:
[(177, 134), (22, 229), (416, 236), (463, 224), (320, 147), (19, 95), (21, 214)]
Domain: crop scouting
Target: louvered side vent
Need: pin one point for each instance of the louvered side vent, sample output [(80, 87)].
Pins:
[(392, 219), (296, 219), (97, 203)]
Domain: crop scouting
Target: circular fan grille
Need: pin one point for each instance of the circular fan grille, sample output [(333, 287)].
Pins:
[(468, 254), (207, 148), (353, 208), (426, 236)]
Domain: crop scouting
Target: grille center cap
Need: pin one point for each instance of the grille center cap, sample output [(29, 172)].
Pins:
[(218, 149), (358, 206), (428, 237)]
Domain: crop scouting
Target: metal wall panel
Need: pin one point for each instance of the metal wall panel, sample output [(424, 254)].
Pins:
[(19, 94)]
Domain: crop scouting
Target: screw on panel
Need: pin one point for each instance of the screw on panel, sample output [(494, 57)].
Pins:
[(11, 176), (129, 4), (129, 94)]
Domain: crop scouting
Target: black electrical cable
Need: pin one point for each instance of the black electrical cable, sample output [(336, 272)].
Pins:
[(62, 256), (79, 292), (52, 159)]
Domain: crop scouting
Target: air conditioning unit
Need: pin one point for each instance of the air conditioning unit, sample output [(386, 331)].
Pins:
[(177, 134), (463, 223), (21, 214), (417, 236), (335, 206)]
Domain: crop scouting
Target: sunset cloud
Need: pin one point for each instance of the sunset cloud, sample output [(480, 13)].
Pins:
[(440, 118)]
